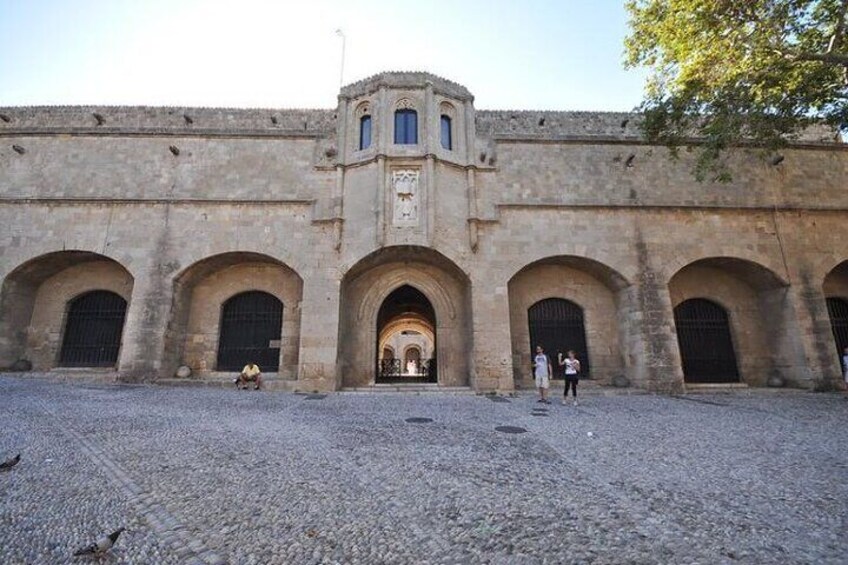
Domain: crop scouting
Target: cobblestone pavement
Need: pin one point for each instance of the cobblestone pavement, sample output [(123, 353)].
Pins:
[(226, 476)]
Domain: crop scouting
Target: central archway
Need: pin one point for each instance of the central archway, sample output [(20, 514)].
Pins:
[(407, 322), (416, 294)]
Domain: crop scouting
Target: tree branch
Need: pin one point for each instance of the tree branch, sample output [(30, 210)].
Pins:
[(827, 58), (839, 30)]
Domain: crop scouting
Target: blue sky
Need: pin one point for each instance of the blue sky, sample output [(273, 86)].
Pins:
[(532, 54)]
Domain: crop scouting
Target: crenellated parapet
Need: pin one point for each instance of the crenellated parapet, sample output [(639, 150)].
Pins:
[(149, 120)]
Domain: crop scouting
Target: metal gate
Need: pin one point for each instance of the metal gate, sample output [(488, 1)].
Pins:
[(93, 330), (557, 325), (837, 308), (251, 326), (706, 348), (391, 371)]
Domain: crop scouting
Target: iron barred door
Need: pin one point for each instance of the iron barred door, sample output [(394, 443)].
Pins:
[(706, 348), (251, 326), (837, 308), (557, 325), (93, 330)]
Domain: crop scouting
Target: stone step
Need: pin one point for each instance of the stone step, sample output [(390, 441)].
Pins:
[(411, 388), (225, 382), (714, 387)]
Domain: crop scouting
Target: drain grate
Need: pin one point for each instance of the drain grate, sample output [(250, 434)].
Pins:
[(539, 414), (510, 429), (419, 420), (316, 396)]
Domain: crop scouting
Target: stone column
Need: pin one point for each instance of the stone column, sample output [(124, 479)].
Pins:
[(647, 329), (430, 120), (319, 332), (341, 130), (492, 362), (819, 368), (143, 340), (429, 199)]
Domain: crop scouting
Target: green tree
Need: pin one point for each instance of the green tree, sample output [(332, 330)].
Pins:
[(739, 72)]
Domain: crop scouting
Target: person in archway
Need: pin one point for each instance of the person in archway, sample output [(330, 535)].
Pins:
[(542, 370), (250, 373), (572, 374)]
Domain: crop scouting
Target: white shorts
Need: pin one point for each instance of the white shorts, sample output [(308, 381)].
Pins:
[(543, 382)]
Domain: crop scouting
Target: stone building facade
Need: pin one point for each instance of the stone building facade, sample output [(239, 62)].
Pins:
[(141, 239)]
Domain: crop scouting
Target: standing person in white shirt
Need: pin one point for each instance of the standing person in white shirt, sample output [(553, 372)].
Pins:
[(572, 374), (543, 371)]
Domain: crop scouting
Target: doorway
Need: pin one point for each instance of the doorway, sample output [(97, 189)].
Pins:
[(406, 322)]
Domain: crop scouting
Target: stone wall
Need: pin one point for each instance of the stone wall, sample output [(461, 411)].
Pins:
[(194, 204)]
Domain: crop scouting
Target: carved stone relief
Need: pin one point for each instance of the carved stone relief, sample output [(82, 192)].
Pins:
[(405, 195)]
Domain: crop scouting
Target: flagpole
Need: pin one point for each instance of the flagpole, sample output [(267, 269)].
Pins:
[(341, 34)]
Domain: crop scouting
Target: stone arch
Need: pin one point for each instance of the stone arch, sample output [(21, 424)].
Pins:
[(835, 288), (374, 278), (758, 308), (420, 326), (200, 292), (594, 287), (34, 301)]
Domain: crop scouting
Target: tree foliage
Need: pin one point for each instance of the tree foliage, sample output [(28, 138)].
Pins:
[(733, 72)]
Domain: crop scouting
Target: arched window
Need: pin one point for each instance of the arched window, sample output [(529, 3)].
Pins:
[(837, 308), (706, 348), (557, 325), (406, 127), (93, 330), (251, 326), (364, 132), (447, 136)]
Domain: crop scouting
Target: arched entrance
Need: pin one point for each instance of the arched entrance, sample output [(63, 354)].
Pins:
[(835, 289), (416, 295), (92, 336), (706, 346), (568, 302), (734, 322), (49, 315), (407, 321), (232, 306), (251, 327), (557, 325)]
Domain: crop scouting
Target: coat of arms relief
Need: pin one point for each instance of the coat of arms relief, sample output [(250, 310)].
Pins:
[(406, 201)]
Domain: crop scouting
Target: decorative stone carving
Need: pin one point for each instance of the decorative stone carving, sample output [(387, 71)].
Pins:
[(363, 109), (406, 201), (446, 109), (404, 104)]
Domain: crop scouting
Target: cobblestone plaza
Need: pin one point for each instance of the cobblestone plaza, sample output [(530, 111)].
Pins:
[(226, 476)]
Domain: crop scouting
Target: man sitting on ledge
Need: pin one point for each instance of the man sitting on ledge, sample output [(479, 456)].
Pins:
[(250, 373)]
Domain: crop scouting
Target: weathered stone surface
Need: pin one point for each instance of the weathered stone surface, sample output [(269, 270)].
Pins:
[(521, 206)]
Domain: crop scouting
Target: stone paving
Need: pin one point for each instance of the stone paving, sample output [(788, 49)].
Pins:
[(226, 476)]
